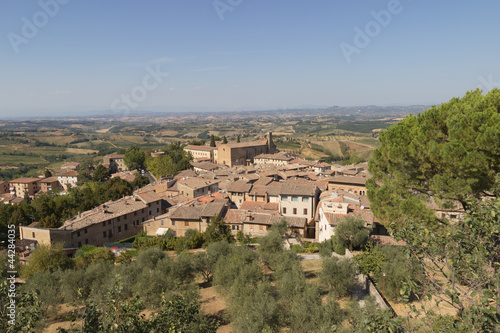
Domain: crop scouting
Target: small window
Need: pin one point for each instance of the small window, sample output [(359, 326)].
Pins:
[(232, 227), (85, 230), (78, 234), (126, 226), (284, 210), (305, 199), (173, 222), (295, 211), (186, 223), (284, 197), (104, 234), (143, 219), (261, 227), (33, 234), (157, 210), (305, 211), (295, 198), (110, 233), (135, 213), (119, 229), (118, 219)]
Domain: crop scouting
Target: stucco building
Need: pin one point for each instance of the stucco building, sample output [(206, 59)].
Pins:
[(22, 186)]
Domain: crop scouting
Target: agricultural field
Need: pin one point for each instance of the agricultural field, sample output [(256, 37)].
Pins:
[(48, 143)]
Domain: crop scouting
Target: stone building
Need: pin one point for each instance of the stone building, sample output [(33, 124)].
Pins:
[(193, 187), (114, 162), (243, 153), (107, 223), (201, 153), (49, 184), (354, 185)]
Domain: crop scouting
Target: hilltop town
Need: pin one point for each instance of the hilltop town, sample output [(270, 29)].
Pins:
[(249, 185)]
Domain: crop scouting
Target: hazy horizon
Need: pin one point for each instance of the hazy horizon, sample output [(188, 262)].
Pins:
[(69, 56)]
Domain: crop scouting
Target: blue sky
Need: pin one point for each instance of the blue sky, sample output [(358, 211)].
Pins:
[(87, 55)]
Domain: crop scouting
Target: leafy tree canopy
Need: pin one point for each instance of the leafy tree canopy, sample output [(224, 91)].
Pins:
[(134, 158), (449, 153)]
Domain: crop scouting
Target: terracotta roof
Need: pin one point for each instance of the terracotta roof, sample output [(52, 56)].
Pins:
[(234, 216), (185, 173), (201, 148), (68, 174), (105, 212), (348, 180), (240, 186), (263, 181), (245, 144), (196, 183), (49, 180), (188, 212), (270, 219), (148, 197), (24, 180), (205, 166), (295, 187), (212, 208), (250, 177), (252, 205)]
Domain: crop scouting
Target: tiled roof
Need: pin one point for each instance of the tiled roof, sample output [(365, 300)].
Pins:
[(296, 187), (105, 212), (240, 186), (212, 208), (252, 205), (235, 216), (263, 181), (24, 180), (349, 180), (200, 148), (270, 219), (196, 183), (246, 144), (186, 213), (68, 174), (185, 173), (49, 180), (205, 166)]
